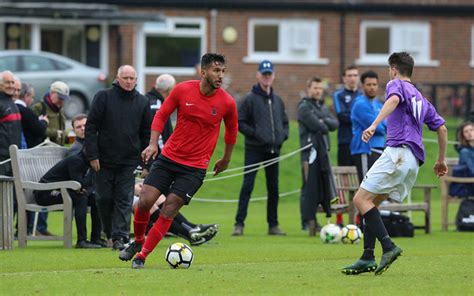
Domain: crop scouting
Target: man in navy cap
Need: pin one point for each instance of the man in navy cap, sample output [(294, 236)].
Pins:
[(263, 121)]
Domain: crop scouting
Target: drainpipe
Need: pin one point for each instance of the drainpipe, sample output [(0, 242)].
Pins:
[(342, 53), (213, 30)]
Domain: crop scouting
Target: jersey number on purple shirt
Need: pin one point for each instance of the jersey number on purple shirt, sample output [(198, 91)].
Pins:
[(416, 105)]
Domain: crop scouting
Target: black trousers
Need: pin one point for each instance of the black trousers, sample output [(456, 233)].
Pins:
[(364, 162), (80, 202), (344, 157), (115, 197), (271, 174)]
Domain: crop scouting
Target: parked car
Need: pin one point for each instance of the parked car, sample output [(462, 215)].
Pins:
[(40, 69)]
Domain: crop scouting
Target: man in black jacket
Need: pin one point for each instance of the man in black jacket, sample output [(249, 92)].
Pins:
[(75, 168), (263, 121), (117, 130), (10, 121), (34, 127), (315, 122)]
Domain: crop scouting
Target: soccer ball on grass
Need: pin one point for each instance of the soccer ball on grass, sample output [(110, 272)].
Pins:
[(179, 255), (351, 234), (330, 233)]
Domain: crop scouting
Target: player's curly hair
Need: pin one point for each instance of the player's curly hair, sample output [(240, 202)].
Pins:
[(210, 58), (403, 62)]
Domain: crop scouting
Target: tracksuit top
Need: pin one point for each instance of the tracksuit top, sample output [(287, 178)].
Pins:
[(343, 100)]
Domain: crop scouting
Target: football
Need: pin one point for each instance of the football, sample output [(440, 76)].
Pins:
[(179, 255), (331, 234), (351, 234)]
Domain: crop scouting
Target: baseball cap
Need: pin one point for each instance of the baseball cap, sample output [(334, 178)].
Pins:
[(61, 89), (265, 67)]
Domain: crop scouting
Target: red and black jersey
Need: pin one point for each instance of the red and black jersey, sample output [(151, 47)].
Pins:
[(10, 125), (198, 123)]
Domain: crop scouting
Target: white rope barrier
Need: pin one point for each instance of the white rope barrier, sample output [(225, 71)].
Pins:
[(436, 141), (260, 198)]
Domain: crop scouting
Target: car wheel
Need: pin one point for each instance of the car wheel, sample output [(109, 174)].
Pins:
[(74, 105)]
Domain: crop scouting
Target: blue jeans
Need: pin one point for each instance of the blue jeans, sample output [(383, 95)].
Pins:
[(271, 174)]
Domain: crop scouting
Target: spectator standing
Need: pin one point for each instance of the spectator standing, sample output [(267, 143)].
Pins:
[(10, 120), (343, 100), (34, 127), (364, 111), (51, 105), (315, 122), (263, 122), (117, 130)]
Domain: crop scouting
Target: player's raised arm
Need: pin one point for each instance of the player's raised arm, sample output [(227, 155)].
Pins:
[(387, 109)]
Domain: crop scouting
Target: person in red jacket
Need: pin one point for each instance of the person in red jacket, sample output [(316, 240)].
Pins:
[(179, 170)]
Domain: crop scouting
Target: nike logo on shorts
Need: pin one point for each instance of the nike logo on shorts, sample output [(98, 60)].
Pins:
[(188, 196), (189, 104)]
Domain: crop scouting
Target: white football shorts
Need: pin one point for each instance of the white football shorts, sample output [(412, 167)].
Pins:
[(394, 173)]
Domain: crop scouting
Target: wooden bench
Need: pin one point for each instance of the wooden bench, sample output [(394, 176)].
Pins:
[(28, 166), (407, 206), (447, 199), (347, 184)]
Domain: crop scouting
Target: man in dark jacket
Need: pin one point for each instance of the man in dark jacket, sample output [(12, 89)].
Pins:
[(315, 122), (34, 127), (75, 168), (117, 130), (263, 121), (10, 121)]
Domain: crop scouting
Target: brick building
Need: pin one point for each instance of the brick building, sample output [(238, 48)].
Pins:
[(302, 38)]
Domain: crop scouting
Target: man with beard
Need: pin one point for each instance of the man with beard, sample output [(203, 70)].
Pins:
[(179, 170)]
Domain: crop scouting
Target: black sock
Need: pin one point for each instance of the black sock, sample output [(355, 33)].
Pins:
[(369, 243), (182, 220), (376, 226)]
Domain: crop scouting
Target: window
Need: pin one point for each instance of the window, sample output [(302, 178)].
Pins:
[(472, 47), (35, 63), (284, 41), (9, 63), (175, 46), (378, 39)]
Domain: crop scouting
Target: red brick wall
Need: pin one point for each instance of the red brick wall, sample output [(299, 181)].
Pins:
[(450, 43)]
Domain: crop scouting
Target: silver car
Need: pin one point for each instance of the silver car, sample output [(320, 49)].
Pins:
[(40, 69)]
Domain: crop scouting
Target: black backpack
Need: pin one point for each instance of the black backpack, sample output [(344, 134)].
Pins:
[(465, 216), (397, 225)]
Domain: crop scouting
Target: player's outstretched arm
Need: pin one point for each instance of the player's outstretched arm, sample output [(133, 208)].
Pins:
[(223, 163), (387, 109), (440, 167)]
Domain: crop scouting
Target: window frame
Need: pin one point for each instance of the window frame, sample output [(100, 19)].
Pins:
[(282, 57), (168, 29), (381, 59), (472, 47)]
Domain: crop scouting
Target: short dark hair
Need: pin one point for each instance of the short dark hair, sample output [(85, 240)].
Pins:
[(210, 58), (351, 67), (403, 62), (314, 79), (368, 74), (78, 117)]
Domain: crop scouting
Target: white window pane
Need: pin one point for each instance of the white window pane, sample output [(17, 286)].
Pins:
[(266, 38)]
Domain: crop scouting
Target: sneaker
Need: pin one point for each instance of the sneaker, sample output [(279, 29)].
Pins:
[(238, 230), (275, 230), (101, 242), (203, 233), (118, 245), (130, 250), (360, 266), (387, 259), (87, 245), (138, 263)]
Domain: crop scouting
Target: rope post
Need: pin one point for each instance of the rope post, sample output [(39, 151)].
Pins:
[(6, 213)]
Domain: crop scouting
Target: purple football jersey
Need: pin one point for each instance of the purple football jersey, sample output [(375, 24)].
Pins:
[(405, 123)]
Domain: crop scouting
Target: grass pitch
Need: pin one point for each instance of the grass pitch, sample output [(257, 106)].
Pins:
[(254, 264)]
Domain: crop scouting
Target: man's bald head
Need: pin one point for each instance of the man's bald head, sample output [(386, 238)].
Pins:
[(127, 77), (8, 82), (165, 82)]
